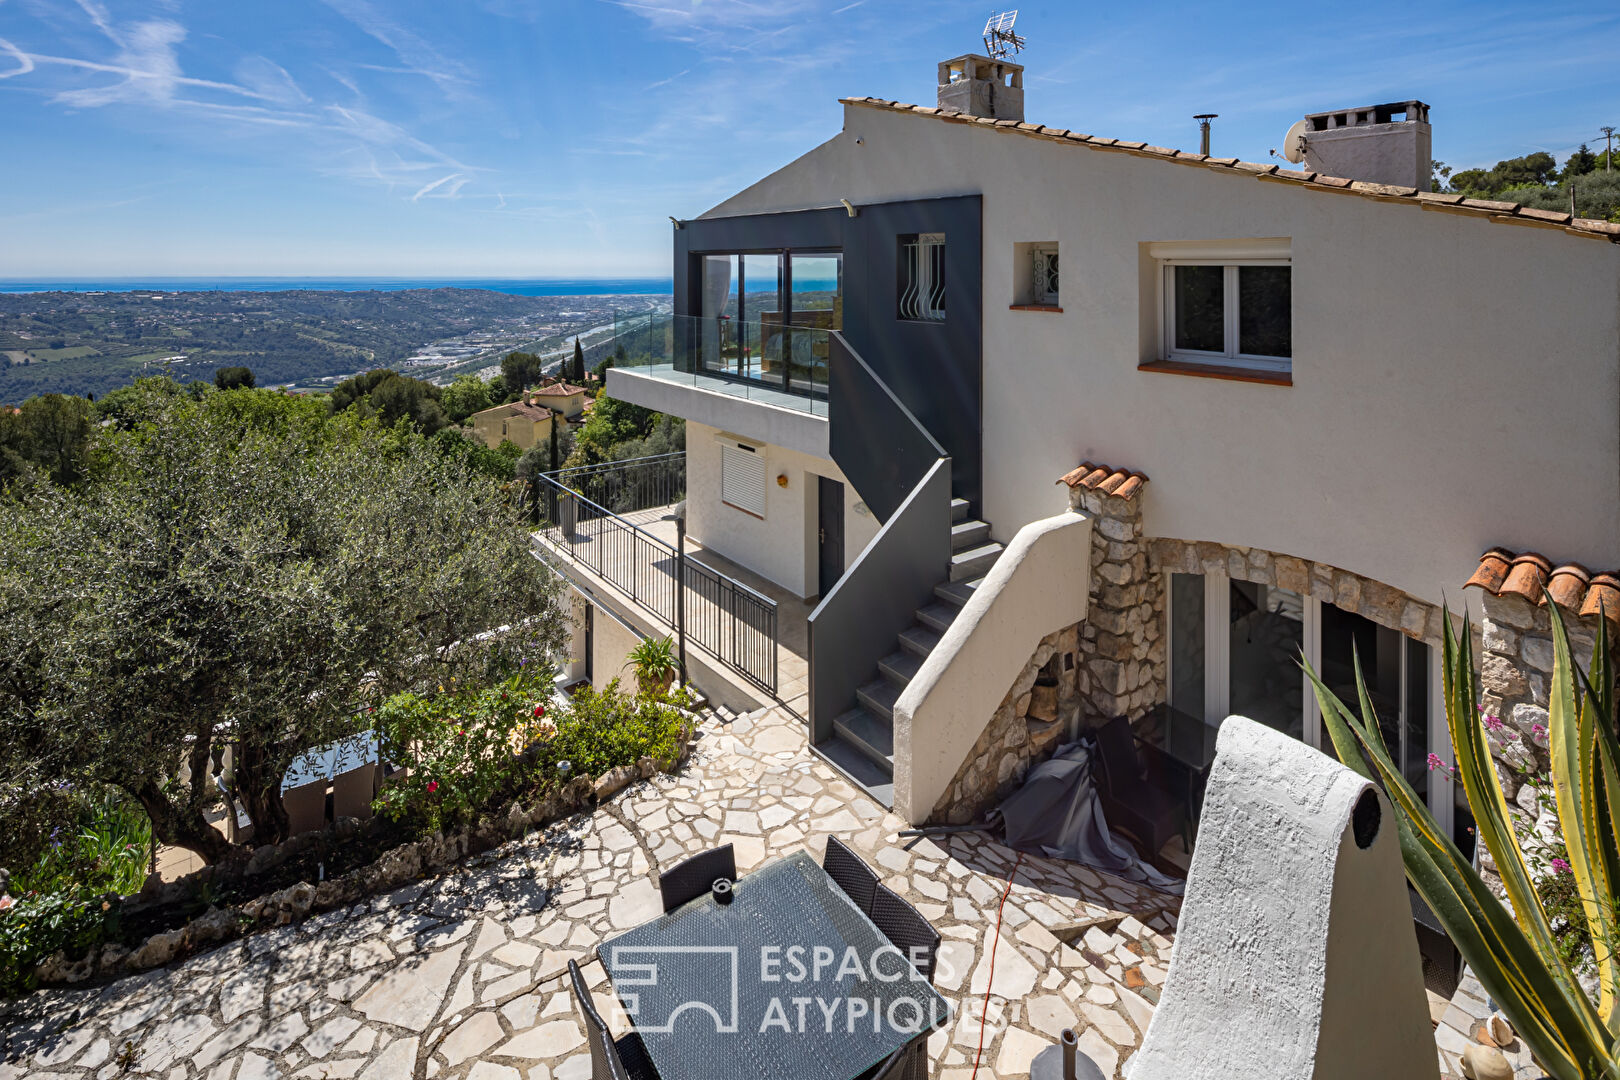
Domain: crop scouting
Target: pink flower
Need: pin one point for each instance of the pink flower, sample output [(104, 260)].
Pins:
[(1560, 866), (1493, 723), (1537, 729), (6, 902), (433, 785)]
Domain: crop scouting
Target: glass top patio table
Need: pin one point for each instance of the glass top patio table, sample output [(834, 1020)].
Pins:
[(790, 979), (322, 763)]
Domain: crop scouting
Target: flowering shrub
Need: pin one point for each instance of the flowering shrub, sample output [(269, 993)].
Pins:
[(604, 730), (461, 747), (33, 927)]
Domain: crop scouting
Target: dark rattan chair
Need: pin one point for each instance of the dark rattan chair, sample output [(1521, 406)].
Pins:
[(910, 1062), (611, 1059), (1143, 801), (905, 928), (692, 878), (850, 873)]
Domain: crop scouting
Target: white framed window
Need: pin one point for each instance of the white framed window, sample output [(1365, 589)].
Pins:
[(1228, 304), (742, 477), (922, 277)]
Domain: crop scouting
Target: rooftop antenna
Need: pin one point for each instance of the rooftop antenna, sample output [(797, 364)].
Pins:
[(999, 40), (1203, 131)]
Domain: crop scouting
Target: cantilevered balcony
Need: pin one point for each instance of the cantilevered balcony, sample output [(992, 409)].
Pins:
[(762, 379)]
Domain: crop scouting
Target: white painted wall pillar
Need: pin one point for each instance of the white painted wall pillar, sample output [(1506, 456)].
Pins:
[(1295, 955)]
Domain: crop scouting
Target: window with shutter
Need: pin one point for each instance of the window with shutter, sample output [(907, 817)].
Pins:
[(742, 479)]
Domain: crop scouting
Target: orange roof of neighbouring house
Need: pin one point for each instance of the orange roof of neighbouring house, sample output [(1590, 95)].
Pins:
[(1532, 576), (1116, 482), (561, 389), (1487, 209)]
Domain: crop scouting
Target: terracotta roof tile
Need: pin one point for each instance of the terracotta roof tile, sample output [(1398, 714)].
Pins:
[(559, 390), (1532, 576), (1488, 209), (1119, 483)]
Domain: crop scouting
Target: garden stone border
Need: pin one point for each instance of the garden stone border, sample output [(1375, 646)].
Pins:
[(432, 854)]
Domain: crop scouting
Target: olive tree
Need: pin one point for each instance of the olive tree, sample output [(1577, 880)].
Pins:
[(246, 572)]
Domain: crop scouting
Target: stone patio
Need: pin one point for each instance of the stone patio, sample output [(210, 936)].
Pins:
[(460, 976)]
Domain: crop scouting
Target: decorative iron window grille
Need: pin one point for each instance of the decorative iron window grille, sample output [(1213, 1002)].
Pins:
[(1044, 274), (922, 277)]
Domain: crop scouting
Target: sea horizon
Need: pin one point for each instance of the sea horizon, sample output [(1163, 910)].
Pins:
[(605, 286)]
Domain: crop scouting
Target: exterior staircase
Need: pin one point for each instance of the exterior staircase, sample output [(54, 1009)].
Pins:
[(862, 745)]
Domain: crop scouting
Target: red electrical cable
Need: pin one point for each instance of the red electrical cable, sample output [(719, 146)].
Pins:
[(994, 942)]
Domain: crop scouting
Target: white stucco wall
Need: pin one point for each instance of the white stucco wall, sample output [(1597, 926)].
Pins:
[(782, 546), (1456, 382), (1041, 583)]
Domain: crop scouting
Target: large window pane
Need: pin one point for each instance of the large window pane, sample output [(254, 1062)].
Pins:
[(1201, 308), (1265, 312), (818, 303), (1267, 631), (718, 347), (759, 331), (1187, 644)]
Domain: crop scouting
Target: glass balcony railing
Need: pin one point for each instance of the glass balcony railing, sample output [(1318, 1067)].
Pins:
[(761, 360)]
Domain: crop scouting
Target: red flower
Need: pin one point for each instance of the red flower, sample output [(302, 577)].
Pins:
[(461, 731), (539, 710), (433, 785)]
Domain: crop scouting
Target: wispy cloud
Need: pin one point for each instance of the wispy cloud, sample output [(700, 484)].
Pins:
[(417, 55), (672, 78), (429, 188)]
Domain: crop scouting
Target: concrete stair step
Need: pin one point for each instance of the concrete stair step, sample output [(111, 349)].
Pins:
[(959, 509), (966, 534), (900, 667), (878, 697), (937, 616), (956, 593), (843, 755), (919, 640), (974, 562), (870, 734)]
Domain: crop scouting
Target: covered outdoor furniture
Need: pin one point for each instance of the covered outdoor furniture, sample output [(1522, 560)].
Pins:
[(850, 873), (1135, 799), (305, 806), (711, 987), (906, 929), (611, 1059), (694, 877), (353, 792)]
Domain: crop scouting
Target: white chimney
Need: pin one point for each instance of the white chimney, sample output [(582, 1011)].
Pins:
[(979, 86), (1384, 144)]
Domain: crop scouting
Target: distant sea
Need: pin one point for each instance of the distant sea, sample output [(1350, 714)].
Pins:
[(515, 286)]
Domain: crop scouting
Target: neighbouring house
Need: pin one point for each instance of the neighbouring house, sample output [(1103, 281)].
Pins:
[(561, 397), (524, 423), (1253, 411)]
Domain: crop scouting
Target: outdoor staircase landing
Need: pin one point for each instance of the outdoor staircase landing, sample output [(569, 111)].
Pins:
[(862, 745)]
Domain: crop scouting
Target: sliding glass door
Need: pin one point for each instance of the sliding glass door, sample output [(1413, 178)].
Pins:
[(764, 317)]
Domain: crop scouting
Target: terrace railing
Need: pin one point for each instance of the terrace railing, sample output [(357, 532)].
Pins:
[(719, 614)]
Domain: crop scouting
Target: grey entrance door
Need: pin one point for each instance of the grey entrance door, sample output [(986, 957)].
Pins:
[(831, 534)]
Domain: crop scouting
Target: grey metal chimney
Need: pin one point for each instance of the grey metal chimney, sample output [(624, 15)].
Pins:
[(1384, 144), (980, 86), (1203, 131)]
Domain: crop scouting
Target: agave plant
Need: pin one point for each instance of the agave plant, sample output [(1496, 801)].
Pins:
[(654, 661), (1514, 954)]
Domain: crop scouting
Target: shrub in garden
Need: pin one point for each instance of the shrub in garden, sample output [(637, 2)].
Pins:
[(602, 730)]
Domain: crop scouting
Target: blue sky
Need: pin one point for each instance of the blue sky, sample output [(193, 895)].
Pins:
[(526, 138)]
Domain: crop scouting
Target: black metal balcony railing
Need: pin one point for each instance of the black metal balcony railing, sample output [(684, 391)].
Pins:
[(721, 615)]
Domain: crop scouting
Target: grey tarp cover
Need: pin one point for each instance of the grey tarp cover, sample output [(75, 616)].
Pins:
[(1057, 813)]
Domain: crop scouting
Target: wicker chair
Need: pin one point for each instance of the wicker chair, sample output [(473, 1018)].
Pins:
[(692, 878), (910, 1062), (850, 873), (905, 928), (611, 1059), (1137, 796)]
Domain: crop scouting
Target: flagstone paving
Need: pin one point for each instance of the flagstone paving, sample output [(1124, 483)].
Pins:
[(459, 977)]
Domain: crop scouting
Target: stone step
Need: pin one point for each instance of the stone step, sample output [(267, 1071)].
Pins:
[(878, 697), (966, 534), (877, 780), (956, 593), (959, 509), (937, 616), (869, 734), (919, 640), (974, 562), (901, 667)]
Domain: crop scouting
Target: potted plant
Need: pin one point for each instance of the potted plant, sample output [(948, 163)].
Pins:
[(654, 661)]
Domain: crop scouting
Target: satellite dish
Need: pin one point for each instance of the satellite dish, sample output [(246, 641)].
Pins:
[(1294, 142)]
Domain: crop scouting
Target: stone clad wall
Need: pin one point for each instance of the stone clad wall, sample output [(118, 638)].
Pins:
[(1026, 727), (1122, 644)]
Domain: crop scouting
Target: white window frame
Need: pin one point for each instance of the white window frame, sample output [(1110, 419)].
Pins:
[(738, 490), (1231, 254)]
